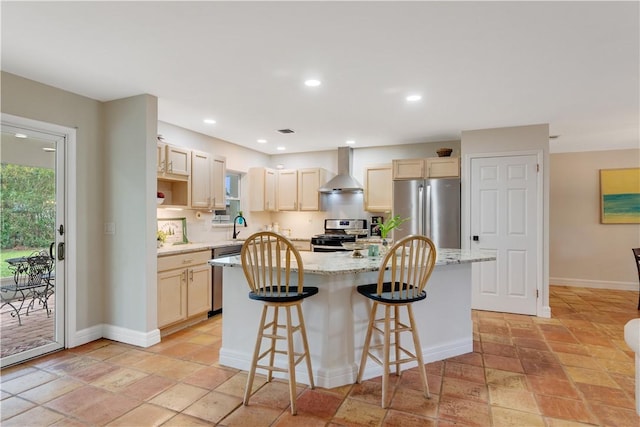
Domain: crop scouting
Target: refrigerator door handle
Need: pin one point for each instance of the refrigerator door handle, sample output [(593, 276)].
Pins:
[(421, 209), (427, 217)]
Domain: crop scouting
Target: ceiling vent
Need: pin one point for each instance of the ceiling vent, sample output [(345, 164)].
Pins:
[(285, 131)]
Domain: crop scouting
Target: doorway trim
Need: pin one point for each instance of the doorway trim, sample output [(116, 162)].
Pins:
[(71, 218), (542, 282)]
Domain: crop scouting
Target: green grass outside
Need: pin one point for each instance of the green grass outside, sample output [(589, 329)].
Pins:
[(11, 253)]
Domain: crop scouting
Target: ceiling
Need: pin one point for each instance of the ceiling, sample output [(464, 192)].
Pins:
[(477, 65)]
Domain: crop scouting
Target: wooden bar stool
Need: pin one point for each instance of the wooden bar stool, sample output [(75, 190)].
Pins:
[(267, 260), (410, 262)]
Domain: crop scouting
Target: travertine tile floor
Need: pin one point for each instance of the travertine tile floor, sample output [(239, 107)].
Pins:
[(571, 370)]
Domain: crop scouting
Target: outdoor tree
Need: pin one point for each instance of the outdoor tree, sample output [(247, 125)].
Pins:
[(28, 206)]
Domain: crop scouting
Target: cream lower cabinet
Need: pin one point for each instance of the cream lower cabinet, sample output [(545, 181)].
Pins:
[(184, 286)]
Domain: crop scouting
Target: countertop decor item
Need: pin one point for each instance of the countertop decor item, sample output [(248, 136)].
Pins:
[(160, 197), (444, 152), (175, 230), (390, 224)]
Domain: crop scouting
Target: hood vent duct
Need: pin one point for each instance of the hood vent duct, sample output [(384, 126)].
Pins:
[(343, 182)]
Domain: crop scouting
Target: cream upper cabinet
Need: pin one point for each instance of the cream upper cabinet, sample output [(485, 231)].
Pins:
[(178, 161), (201, 179), (173, 162), (409, 169), (161, 160), (378, 188), (218, 185), (262, 189), (443, 167), (309, 181), (287, 191), (207, 181), (174, 175), (431, 167)]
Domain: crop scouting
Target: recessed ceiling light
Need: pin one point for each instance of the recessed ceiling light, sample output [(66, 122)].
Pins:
[(209, 121), (20, 135), (262, 141), (350, 142), (280, 166), (312, 82), (281, 148), (48, 149), (414, 98)]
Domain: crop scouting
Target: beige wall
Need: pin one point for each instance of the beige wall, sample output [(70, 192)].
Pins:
[(33, 100), (130, 135), (585, 252)]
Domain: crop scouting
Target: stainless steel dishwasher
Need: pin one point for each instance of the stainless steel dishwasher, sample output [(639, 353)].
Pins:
[(216, 291)]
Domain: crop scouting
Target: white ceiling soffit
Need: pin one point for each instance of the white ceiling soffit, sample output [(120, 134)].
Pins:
[(477, 65)]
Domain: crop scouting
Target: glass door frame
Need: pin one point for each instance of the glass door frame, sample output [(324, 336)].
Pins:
[(64, 312)]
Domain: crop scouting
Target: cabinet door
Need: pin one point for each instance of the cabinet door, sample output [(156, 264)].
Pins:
[(218, 186), (408, 169), (308, 184), (262, 189), (172, 297), (443, 167), (378, 188), (287, 193), (178, 161), (200, 180), (161, 161), (199, 290), (270, 189)]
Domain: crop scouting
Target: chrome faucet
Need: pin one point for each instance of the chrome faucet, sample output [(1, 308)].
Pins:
[(244, 221)]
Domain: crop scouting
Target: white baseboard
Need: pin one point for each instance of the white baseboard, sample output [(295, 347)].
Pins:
[(598, 284), (115, 333), (129, 336), (84, 336)]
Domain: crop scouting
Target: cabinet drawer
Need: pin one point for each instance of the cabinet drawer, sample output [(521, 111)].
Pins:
[(190, 259)]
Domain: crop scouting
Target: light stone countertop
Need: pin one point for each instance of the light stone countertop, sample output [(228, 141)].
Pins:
[(194, 247), (342, 263)]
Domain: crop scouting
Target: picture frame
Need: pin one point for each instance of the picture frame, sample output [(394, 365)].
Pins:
[(620, 196), (175, 230)]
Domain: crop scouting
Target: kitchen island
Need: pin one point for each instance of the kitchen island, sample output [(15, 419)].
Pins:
[(336, 318)]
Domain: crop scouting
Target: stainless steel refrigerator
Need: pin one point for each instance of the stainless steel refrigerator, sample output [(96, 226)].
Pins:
[(433, 209)]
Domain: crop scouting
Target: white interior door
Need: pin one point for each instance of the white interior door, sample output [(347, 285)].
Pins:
[(504, 220)]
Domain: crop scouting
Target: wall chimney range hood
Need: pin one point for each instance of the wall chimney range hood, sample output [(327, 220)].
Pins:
[(343, 182)]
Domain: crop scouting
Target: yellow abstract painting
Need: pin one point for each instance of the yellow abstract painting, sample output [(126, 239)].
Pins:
[(620, 196)]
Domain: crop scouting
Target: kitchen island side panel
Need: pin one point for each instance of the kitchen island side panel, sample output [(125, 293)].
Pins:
[(336, 321)]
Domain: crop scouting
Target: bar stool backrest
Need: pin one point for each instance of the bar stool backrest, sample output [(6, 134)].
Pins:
[(267, 260), (410, 263)]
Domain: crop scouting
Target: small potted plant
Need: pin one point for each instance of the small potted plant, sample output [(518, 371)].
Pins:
[(388, 225), (160, 197), (162, 237)]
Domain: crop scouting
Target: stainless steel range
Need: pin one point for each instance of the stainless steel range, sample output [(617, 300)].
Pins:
[(335, 233)]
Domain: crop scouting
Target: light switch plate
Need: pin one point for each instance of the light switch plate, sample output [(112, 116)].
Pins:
[(109, 228)]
